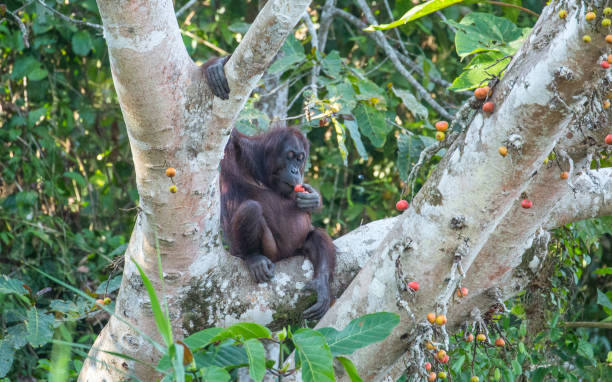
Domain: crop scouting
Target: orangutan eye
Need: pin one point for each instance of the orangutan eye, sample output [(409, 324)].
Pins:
[(290, 155)]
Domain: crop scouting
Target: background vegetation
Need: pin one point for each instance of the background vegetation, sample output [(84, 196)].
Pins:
[(68, 198)]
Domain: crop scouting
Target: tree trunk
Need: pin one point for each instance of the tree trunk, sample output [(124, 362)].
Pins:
[(468, 213)]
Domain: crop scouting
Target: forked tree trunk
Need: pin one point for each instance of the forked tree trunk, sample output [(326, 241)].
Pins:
[(468, 211)]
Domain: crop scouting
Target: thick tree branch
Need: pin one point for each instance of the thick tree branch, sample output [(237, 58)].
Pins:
[(591, 198)]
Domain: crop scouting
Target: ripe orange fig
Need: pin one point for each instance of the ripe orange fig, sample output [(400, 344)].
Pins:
[(432, 377), (526, 204), (99, 302), (503, 150), (299, 188), (427, 366), (173, 189), (445, 359), (470, 338), (431, 317), (481, 337), (606, 104), (482, 93), (605, 64), (564, 175), (608, 139), (590, 16), (441, 125), (462, 292), (609, 39), (610, 59), (441, 354), (413, 285), (441, 319), (429, 345), (500, 342), (488, 107), (402, 205), (170, 172)]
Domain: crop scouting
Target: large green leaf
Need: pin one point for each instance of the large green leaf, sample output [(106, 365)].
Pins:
[(161, 318), (214, 374), (415, 13), (360, 332), (7, 355), (603, 300), (202, 338), (481, 32), (350, 368), (372, 124), (81, 43), (292, 53), (314, 356), (353, 129), (244, 331), (39, 327), (341, 139), (257, 359), (418, 111), (227, 355), (8, 286), (482, 67), (332, 63)]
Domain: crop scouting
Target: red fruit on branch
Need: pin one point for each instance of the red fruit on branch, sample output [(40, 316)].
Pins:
[(526, 204), (413, 285), (401, 205)]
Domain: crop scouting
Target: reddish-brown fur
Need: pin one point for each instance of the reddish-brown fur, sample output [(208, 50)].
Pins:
[(256, 216)]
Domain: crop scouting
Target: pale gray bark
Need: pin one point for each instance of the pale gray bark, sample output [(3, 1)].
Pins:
[(173, 121)]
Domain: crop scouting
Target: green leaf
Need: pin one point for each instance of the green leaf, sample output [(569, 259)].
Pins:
[(368, 90), (257, 359), (341, 139), (39, 327), (604, 271), (353, 129), (202, 338), (8, 286), (372, 124), (38, 74), (16, 336), (109, 286), (585, 349), (332, 64), (418, 111), (78, 178), (7, 355), (81, 43), (416, 13), (603, 300), (481, 32), (343, 94), (516, 368), (409, 149), (482, 67), (244, 331), (458, 363), (360, 332), (315, 356), (98, 179), (214, 374), (350, 368), (292, 53), (161, 319)]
